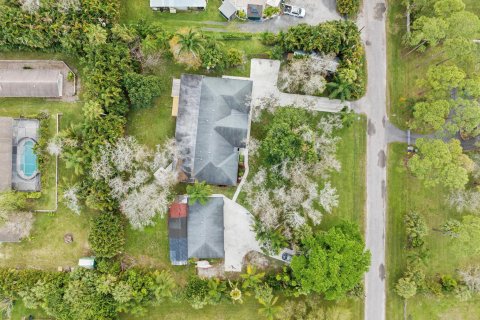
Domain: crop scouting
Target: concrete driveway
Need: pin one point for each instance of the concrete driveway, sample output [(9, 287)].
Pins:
[(239, 237), (264, 74), (316, 11)]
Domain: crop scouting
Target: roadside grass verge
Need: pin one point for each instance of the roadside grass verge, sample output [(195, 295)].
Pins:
[(406, 194)]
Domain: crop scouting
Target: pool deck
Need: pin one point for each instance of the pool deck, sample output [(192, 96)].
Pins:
[(6, 138), (24, 128)]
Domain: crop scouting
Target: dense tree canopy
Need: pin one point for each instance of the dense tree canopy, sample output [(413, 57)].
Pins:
[(430, 115), (333, 261), (142, 89), (438, 162)]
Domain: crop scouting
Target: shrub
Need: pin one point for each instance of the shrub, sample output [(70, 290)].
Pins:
[(234, 57), (348, 7), (271, 11), (13, 201), (269, 38), (107, 235), (142, 89), (449, 284), (416, 228)]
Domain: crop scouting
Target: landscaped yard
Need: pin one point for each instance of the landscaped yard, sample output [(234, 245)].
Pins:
[(406, 194)]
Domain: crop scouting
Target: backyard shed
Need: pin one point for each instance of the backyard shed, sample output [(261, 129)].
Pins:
[(228, 10), (87, 262), (254, 12), (31, 83)]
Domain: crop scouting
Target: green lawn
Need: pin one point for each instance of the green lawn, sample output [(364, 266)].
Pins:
[(405, 68), (406, 194), (350, 181)]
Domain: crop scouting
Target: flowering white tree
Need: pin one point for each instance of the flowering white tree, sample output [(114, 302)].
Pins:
[(70, 198), (471, 277), (140, 179), (55, 146), (289, 206)]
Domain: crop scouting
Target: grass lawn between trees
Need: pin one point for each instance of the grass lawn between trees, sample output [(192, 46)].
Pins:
[(405, 68), (406, 194)]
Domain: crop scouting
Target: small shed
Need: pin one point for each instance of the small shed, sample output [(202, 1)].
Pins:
[(228, 10), (175, 96), (254, 12), (87, 262)]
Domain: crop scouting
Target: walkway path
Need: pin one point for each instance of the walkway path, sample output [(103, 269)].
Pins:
[(373, 104)]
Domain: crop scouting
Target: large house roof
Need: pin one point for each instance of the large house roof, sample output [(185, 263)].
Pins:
[(212, 123), (31, 83), (206, 229), (6, 140)]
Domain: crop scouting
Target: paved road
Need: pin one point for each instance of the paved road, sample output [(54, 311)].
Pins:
[(373, 104)]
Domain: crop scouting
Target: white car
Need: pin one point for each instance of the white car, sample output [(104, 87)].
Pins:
[(294, 11)]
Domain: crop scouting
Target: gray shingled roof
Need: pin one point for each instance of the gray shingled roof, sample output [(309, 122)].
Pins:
[(30, 83), (212, 123), (205, 229), (227, 9), (177, 236), (6, 140)]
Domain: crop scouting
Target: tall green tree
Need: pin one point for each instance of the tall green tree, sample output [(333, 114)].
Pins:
[(430, 115), (441, 80), (333, 262), (466, 118), (438, 162), (142, 89)]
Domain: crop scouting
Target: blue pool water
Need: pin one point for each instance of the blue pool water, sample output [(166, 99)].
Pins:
[(28, 162)]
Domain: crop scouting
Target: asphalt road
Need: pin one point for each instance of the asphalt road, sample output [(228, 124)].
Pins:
[(372, 20)]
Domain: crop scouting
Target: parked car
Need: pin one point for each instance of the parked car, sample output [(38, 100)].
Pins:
[(294, 11), (287, 255)]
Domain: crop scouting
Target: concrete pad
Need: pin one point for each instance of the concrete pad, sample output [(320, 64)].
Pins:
[(264, 74), (6, 148), (239, 237)]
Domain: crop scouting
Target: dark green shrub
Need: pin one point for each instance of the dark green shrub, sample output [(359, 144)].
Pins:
[(142, 89), (348, 7), (107, 235)]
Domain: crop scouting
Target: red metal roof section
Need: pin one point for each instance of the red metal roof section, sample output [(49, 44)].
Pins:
[(178, 210)]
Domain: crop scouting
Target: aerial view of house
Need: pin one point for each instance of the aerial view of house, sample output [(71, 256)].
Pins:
[(240, 159)]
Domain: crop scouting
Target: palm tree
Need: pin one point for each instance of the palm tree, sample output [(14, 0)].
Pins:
[(199, 191), (269, 310), (74, 159), (340, 89), (191, 41)]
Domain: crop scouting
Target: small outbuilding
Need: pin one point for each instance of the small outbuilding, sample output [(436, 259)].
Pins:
[(254, 12), (87, 262), (31, 83), (228, 10)]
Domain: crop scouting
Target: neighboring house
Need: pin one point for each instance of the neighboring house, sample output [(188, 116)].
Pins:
[(212, 126), (178, 5), (31, 83), (18, 161), (196, 231), (36, 79), (252, 8)]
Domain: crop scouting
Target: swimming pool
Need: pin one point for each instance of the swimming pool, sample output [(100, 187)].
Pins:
[(28, 159)]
